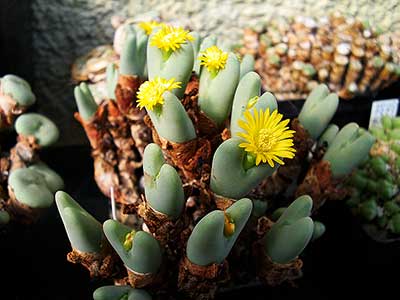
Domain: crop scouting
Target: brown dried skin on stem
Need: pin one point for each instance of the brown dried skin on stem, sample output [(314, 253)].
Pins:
[(288, 173), (320, 185), (139, 280), (165, 230), (201, 282), (269, 272), (118, 136), (192, 158), (222, 203), (9, 110), (103, 265), (24, 153)]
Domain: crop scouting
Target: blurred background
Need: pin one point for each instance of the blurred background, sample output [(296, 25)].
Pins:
[(40, 39)]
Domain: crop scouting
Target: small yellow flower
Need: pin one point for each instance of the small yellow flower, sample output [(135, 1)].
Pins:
[(266, 137), (149, 26), (170, 38), (214, 59), (151, 92)]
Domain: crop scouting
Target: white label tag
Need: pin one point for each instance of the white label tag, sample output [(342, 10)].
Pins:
[(382, 108)]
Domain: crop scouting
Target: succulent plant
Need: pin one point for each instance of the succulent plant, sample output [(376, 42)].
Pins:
[(42, 128), (296, 54), (17, 89), (318, 110), (375, 185), (214, 236), (84, 231), (112, 292), (218, 68), (139, 251), (87, 106), (163, 186), (348, 149), (291, 233)]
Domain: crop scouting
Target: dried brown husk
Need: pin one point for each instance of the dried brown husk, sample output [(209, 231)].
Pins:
[(104, 265), (192, 158), (269, 272), (118, 137), (201, 282), (320, 185)]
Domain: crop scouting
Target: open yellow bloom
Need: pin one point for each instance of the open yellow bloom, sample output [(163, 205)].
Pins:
[(266, 136), (214, 59), (170, 38), (151, 92), (149, 26)]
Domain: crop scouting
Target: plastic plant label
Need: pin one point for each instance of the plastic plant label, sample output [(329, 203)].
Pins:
[(382, 108)]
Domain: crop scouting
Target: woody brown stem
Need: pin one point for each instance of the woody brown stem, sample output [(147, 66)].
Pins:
[(201, 282), (320, 185), (269, 272), (103, 265)]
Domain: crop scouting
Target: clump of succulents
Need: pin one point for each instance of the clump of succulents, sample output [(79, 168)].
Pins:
[(194, 117), (375, 196), (294, 55), (27, 185)]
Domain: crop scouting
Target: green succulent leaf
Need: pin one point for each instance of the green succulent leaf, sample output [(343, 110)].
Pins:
[(173, 122), (208, 244), (143, 254), (113, 292), (18, 89), (229, 178), (328, 135), (246, 65), (42, 128), (318, 110), (53, 181), (163, 186), (215, 102), (291, 233), (84, 231), (30, 188), (178, 65), (348, 149), (87, 106), (112, 75), (319, 230)]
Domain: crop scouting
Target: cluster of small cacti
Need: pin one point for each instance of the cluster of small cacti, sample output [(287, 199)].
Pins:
[(27, 185), (194, 116), (293, 56), (375, 185)]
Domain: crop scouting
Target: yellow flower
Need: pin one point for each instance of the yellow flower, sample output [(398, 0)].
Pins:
[(170, 38), (149, 26), (214, 59), (266, 137), (151, 92)]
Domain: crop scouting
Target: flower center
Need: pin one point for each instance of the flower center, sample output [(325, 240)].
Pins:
[(265, 139)]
